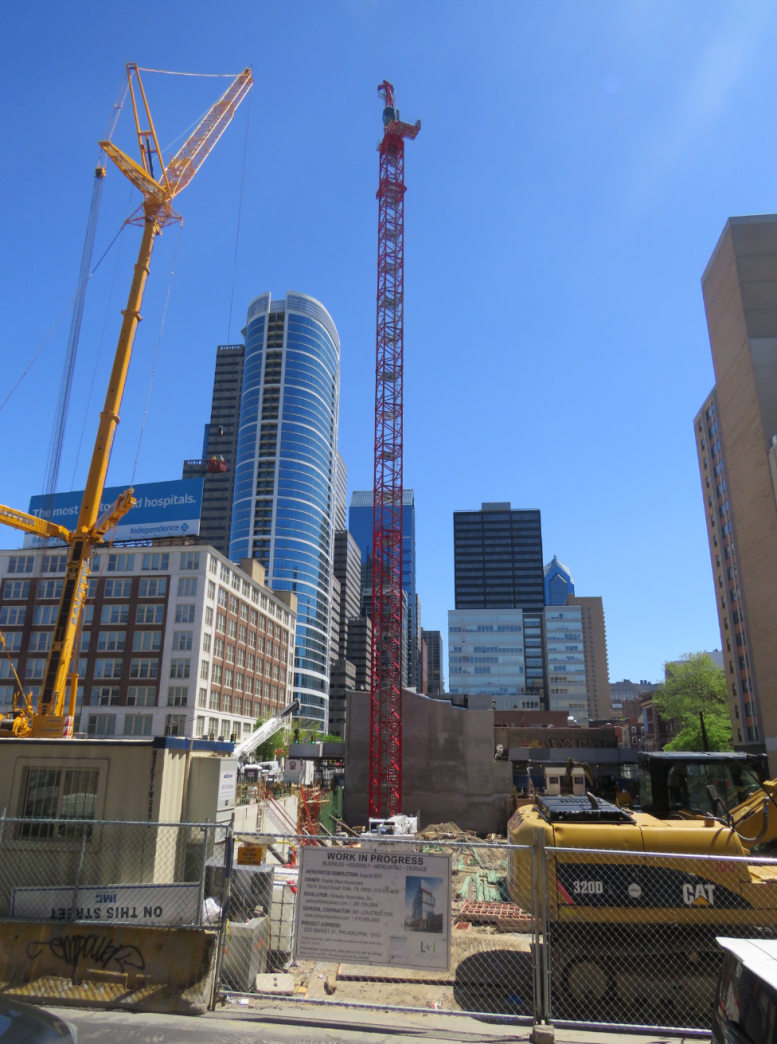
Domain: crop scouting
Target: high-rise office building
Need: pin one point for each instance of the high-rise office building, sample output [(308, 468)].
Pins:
[(220, 441), (434, 652), (347, 570), (286, 472), (360, 526), (498, 565), (341, 494), (486, 655), (498, 559), (735, 434), (597, 669), (558, 582), (565, 658)]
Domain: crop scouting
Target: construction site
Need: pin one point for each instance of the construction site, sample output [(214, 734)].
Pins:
[(439, 858)]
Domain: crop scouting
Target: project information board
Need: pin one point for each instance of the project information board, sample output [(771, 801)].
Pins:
[(374, 906)]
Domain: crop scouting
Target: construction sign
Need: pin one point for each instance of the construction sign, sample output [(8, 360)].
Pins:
[(374, 905)]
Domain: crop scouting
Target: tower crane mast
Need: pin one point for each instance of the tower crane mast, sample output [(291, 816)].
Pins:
[(159, 189), (385, 783)]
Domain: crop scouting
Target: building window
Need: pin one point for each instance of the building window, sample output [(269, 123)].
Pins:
[(40, 641), (211, 590), (206, 639), (199, 727), (228, 677), (156, 561), (114, 614), (190, 560), (204, 670), (15, 615), (202, 698), (147, 641), (180, 668), (177, 696), (111, 641), (230, 654), (212, 564), (117, 588), (187, 586), (16, 589), (153, 587), (221, 622), (101, 725), (58, 794), (213, 727), (138, 724), (144, 668), (35, 668), (105, 696), (107, 668), (120, 563), (8, 666), (216, 675), (148, 613), (184, 612), (51, 564), (141, 696), (50, 588), (208, 616), (22, 564), (182, 640), (232, 629), (175, 725), (222, 599)]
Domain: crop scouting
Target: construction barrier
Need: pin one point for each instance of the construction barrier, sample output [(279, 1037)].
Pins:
[(111, 913)]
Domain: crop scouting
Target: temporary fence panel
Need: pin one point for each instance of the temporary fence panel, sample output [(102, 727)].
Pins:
[(631, 936), (109, 872)]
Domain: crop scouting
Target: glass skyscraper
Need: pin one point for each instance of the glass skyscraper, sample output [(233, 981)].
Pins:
[(286, 471)]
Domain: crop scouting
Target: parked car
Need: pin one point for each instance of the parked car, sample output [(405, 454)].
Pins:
[(746, 999), (22, 1023)]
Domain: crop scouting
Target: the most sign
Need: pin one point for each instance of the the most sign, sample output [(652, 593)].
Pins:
[(163, 509), (373, 905)]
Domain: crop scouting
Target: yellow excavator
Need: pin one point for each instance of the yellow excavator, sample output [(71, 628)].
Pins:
[(159, 188), (631, 904)]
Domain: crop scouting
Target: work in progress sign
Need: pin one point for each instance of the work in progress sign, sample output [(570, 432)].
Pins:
[(374, 906)]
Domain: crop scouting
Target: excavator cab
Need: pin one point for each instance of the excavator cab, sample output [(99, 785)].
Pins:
[(675, 783)]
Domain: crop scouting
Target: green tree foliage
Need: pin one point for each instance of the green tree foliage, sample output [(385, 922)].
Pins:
[(695, 684), (266, 750)]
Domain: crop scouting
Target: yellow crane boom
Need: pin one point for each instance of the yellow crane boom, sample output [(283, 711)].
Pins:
[(156, 212)]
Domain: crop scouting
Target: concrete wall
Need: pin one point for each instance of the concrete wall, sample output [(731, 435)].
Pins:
[(448, 767), (565, 739)]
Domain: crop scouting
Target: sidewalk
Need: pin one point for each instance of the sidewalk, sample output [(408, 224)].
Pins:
[(280, 1022)]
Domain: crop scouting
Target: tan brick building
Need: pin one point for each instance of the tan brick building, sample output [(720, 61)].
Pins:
[(734, 431), (597, 670)]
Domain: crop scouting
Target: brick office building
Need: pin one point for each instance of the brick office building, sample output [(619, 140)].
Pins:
[(174, 640)]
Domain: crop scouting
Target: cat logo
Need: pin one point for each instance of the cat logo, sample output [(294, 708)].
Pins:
[(699, 895)]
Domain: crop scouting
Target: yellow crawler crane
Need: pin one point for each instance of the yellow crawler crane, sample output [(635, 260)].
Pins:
[(630, 906), (156, 212)]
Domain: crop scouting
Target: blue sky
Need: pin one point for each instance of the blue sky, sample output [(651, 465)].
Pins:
[(575, 169)]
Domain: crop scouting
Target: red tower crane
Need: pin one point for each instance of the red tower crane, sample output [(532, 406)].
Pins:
[(385, 789)]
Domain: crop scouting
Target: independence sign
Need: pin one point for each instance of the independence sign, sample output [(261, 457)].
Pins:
[(164, 509)]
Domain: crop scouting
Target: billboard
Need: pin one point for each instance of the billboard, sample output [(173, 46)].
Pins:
[(163, 509)]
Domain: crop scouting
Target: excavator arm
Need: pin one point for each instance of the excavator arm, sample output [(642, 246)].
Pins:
[(33, 524)]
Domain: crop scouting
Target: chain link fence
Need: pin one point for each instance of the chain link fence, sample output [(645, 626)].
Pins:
[(118, 873), (563, 935)]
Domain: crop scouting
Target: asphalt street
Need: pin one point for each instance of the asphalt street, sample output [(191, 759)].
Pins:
[(277, 1024)]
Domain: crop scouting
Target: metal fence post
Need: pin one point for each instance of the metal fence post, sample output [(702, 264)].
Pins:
[(78, 873), (536, 928), (543, 860), (202, 871), (227, 892)]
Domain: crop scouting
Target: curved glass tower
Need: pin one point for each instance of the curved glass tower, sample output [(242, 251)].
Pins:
[(285, 472)]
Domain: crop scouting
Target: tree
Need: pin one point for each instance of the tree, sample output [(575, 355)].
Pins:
[(266, 751), (695, 684)]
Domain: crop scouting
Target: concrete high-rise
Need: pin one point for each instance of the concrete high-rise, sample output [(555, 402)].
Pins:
[(360, 527), (597, 669), (735, 433), (434, 651), (347, 569), (220, 441), (498, 559), (286, 472)]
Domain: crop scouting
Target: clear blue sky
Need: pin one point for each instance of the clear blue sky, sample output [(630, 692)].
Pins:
[(576, 166)]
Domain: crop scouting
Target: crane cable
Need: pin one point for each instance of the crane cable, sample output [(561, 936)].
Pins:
[(170, 72), (100, 346), (239, 215), (59, 321), (156, 354)]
